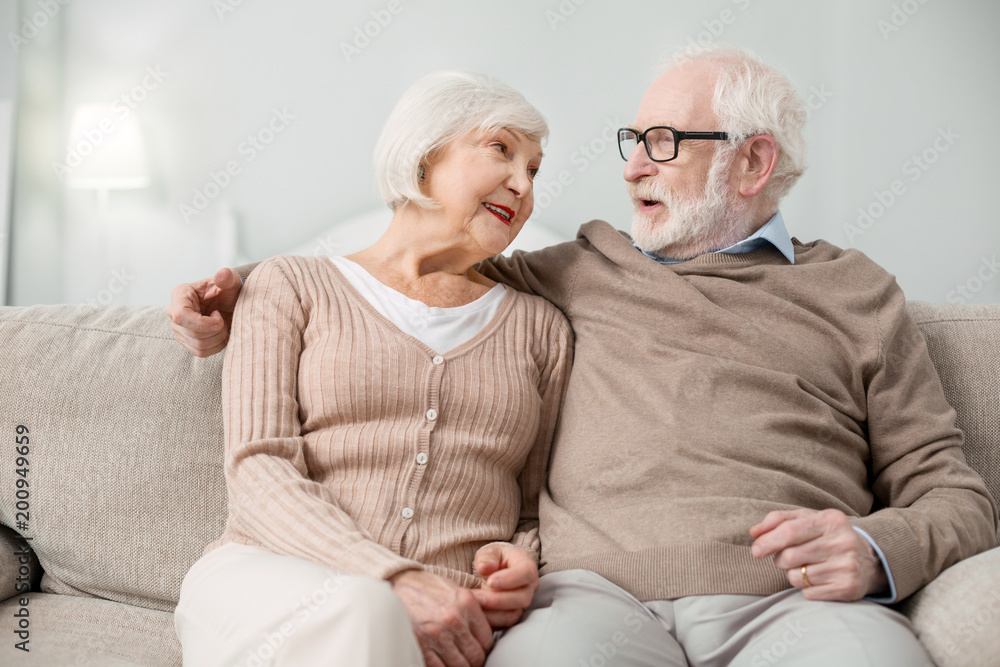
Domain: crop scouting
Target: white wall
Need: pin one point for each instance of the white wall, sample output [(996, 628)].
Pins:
[(879, 97), (8, 22)]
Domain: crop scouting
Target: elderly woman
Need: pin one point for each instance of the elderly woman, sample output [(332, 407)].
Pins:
[(388, 416)]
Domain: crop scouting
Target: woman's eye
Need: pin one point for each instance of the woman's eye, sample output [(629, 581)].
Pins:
[(533, 173), (501, 146)]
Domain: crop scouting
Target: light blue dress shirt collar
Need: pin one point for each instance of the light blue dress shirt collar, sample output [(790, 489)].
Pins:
[(773, 232)]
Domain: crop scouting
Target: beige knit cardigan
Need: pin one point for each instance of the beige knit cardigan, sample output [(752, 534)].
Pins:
[(354, 445)]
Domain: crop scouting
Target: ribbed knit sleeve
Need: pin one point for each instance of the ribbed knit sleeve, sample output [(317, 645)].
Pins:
[(938, 510), (272, 499), (556, 350)]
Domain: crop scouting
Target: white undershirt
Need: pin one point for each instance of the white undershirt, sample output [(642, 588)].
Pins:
[(440, 329)]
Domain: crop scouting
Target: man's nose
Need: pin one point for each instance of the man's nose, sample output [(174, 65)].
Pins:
[(639, 165)]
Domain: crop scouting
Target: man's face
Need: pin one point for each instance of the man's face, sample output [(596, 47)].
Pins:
[(687, 206)]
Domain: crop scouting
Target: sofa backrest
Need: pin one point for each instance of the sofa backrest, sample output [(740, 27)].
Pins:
[(126, 480), (964, 343), (125, 427)]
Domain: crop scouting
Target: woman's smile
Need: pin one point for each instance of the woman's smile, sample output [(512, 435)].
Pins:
[(504, 213)]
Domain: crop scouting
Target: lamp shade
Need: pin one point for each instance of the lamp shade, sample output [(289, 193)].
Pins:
[(105, 151)]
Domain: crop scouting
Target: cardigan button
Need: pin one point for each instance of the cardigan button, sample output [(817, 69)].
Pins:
[(432, 414), (438, 360), (421, 458), (407, 513)]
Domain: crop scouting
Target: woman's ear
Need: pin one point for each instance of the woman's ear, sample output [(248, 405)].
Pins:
[(759, 156), (424, 167)]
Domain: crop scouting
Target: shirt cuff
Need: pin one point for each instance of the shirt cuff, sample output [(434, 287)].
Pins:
[(889, 598)]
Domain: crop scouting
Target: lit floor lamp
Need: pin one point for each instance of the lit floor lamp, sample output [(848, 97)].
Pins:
[(106, 152)]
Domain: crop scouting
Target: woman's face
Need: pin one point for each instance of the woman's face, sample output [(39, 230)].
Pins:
[(483, 181)]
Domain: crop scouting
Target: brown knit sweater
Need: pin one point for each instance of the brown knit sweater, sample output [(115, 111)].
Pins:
[(706, 394), (330, 410)]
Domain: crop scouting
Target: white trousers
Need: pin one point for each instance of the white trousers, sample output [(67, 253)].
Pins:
[(248, 607)]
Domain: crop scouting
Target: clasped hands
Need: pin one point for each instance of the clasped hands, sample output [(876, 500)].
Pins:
[(840, 564), (454, 625)]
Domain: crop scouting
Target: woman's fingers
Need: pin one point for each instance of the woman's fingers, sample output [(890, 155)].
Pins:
[(447, 619), (494, 600), (503, 619), (488, 559), (518, 570)]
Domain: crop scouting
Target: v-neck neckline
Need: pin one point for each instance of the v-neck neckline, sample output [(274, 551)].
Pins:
[(486, 332)]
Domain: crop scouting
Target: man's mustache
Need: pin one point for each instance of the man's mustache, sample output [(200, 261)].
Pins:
[(649, 190)]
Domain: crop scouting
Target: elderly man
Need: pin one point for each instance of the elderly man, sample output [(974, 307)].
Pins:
[(755, 454)]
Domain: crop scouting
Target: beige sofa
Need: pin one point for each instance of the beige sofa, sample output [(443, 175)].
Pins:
[(125, 482)]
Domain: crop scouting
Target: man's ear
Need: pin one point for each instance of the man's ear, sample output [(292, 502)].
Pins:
[(758, 156)]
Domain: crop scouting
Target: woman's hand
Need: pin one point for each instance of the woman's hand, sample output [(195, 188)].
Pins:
[(201, 313), (451, 628), (511, 575)]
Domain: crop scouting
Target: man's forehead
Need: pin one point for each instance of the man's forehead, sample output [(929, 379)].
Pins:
[(679, 97), (668, 109)]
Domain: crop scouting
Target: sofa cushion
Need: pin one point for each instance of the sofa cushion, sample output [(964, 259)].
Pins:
[(19, 567), (956, 616), (84, 631), (126, 452), (964, 343)]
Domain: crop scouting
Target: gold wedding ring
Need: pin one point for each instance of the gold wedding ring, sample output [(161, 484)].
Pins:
[(805, 579)]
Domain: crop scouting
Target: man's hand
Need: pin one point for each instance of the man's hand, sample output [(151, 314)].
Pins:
[(840, 564), (450, 627), (511, 576), (201, 313)]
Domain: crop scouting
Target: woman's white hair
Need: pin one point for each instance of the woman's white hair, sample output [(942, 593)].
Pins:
[(436, 109), (751, 97)]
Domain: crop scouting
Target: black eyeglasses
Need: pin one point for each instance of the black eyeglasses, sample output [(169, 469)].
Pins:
[(660, 141)]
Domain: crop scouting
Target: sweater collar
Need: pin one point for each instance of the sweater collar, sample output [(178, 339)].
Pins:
[(617, 246), (773, 232)]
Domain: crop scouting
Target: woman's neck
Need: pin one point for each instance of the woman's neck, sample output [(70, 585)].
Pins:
[(416, 258)]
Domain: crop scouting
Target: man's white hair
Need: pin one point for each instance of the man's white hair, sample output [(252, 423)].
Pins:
[(751, 97), (433, 111)]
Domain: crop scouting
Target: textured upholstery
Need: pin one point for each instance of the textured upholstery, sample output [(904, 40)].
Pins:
[(126, 448), (957, 615), (964, 342), (74, 631), (13, 577), (127, 484)]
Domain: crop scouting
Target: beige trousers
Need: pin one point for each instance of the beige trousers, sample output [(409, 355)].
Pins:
[(247, 607), (579, 619)]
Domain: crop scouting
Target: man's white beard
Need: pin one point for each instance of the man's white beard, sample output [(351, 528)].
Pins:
[(695, 226)]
